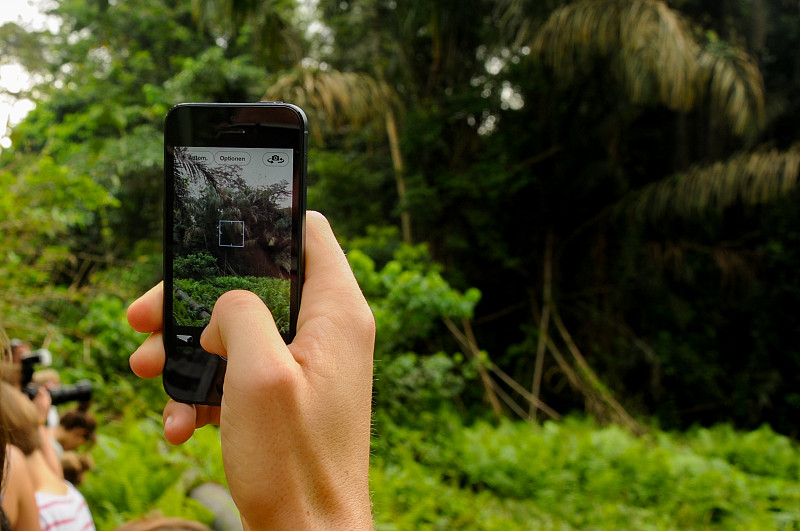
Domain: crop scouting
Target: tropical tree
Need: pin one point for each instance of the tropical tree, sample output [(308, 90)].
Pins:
[(345, 101), (654, 56), (82, 227), (583, 163), (556, 72)]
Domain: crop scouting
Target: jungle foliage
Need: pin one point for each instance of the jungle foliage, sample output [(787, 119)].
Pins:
[(553, 207)]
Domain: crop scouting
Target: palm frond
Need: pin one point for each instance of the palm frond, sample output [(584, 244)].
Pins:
[(653, 55), (734, 85), (334, 98), (750, 178), (649, 46)]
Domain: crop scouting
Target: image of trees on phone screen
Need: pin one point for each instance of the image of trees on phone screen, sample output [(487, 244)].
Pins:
[(232, 229)]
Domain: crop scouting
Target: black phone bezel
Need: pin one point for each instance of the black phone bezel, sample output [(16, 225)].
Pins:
[(197, 377)]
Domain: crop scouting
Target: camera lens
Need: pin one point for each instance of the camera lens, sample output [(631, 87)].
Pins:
[(80, 392)]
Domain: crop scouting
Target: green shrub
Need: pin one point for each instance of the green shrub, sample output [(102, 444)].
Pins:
[(761, 452), (137, 472), (273, 291), (491, 476), (196, 266), (575, 475)]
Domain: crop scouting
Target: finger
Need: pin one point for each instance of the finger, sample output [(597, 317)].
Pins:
[(332, 301), (180, 421), (145, 314), (148, 360), (242, 328), (327, 272)]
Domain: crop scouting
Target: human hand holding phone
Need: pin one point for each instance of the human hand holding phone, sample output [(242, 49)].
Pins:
[(294, 419)]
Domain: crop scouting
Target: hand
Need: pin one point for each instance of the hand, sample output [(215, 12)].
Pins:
[(42, 401), (294, 420)]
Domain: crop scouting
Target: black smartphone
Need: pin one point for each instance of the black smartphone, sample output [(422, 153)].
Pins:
[(234, 218)]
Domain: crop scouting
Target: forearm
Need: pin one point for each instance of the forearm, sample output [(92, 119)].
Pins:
[(308, 495), (350, 511)]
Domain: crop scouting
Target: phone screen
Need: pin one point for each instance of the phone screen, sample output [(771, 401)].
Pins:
[(232, 229), (234, 216)]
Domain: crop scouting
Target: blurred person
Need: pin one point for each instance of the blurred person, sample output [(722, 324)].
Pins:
[(27, 360), (48, 379), (295, 419), (17, 491), (10, 372), (42, 402), (61, 507), (12, 368), (75, 465), (75, 429), (18, 511), (19, 349)]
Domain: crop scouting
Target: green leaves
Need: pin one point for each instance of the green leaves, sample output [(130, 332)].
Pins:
[(44, 204), (409, 297), (575, 475), (136, 472), (273, 291), (416, 376)]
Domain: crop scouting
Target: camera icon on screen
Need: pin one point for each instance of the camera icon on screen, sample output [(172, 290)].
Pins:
[(275, 159)]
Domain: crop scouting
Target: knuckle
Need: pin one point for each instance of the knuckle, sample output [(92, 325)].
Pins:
[(279, 378)]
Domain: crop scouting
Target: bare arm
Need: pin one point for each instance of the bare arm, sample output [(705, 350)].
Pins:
[(19, 500)]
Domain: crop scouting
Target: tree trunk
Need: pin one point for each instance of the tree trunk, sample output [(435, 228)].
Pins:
[(758, 30), (399, 174), (544, 324)]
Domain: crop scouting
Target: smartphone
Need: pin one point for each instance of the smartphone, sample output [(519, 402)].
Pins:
[(234, 218)]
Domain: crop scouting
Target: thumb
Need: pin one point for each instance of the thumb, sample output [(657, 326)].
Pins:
[(242, 329)]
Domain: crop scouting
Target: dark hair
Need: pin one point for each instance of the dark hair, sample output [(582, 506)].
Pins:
[(74, 465), (78, 418)]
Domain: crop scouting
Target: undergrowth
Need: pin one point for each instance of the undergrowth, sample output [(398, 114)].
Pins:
[(496, 476)]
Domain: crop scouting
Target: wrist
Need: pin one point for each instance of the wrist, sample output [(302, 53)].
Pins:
[(355, 516), (309, 500)]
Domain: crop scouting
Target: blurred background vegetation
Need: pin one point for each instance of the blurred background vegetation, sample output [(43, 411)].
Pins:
[(576, 223)]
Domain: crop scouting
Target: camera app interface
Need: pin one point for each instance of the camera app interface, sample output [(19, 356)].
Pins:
[(232, 229)]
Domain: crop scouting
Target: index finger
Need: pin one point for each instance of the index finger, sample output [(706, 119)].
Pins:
[(329, 284), (145, 314), (333, 307)]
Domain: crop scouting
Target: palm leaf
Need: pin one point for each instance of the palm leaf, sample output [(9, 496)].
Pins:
[(335, 99), (734, 85), (750, 178), (648, 44), (653, 55)]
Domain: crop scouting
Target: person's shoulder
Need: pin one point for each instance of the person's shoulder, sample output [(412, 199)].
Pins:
[(17, 490), (14, 454), (15, 459), (73, 491)]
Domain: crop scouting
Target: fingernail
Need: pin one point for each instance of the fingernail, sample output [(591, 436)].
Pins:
[(168, 421)]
